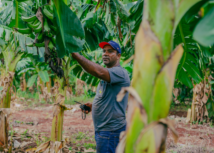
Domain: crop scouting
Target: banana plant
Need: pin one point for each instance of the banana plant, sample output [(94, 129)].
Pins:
[(39, 73), (194, 67), (154, 73), (12, 49), (103, 25), (60, 88), (202, 103), (7, 73)]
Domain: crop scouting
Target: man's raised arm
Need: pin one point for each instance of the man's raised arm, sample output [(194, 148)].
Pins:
[(92, 68)]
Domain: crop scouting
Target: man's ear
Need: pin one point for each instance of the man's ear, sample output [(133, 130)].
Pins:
[(118, 55)]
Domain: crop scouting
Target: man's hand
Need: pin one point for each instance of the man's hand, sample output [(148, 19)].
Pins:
[(88, 105)]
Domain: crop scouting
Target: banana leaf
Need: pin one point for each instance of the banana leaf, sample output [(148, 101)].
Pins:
[(44, 76), (32, 80), (203, 32), (69, 30)]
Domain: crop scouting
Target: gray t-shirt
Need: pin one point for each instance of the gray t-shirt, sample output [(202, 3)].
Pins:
[(107, 113)]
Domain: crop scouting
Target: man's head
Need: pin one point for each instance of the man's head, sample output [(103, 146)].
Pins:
[(111, 53)]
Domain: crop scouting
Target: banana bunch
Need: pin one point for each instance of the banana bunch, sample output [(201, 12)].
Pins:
[(45, 36)]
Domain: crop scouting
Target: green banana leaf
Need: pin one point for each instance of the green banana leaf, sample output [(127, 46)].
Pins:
[(193, 71), (121, 10), (44, 76), (25, 70), (204, 31), (12, 11), (32, 80), (69, 28)]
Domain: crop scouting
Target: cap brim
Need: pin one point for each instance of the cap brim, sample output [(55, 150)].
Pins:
[(102, 44)]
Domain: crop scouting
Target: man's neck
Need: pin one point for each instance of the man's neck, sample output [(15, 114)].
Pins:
[(117, 64)]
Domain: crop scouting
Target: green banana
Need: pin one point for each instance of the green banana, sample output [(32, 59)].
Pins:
[(30, 45), (40, 44), (50, 45), (50, 35), (53, 40), (36, 21), (48, 14), (53, 28), (38, 29), (24, 30), (40, 37), (50, 8), (34, 25), (46, 27), (29, 19)]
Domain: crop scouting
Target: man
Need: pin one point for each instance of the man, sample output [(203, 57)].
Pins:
[(108, 114)]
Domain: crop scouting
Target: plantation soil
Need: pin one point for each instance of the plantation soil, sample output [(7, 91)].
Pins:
[(38, 120)]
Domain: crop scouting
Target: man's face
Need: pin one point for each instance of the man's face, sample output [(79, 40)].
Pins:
[(110, 56)]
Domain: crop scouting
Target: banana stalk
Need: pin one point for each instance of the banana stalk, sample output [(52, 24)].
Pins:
[(4, 128), (24, 84), (201, 94), (6, 80), (48, 85), (59, 107), (7, 77), (153, 77)]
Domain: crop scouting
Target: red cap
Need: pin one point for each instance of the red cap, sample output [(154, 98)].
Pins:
[(102, 44)]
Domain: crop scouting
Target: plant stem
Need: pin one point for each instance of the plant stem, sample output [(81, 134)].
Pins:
[(185, 48)]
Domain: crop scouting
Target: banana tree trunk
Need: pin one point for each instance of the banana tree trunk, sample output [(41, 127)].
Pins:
[(48, 85), (5, 103), (6, 78), (201, 94), (57, 124), (24, 84), (153, 77), (5, 93), (40, 88), (4, 126), (6, 81), (58, 110), (59, 93)]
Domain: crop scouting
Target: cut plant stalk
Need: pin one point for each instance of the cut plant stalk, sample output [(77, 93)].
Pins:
[(153, 77), (58, 113), (4, 127)]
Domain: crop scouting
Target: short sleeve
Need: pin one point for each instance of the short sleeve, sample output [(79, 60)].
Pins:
[(117, 75)]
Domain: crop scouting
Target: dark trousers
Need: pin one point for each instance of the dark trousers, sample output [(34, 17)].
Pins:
[(107, 141)]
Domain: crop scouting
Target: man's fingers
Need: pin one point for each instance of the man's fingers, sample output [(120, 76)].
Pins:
[(85, 111)]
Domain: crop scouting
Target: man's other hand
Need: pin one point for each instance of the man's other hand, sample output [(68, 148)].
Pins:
[(88, 105)]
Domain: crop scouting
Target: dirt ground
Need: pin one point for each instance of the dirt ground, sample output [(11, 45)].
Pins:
[(38, 120)]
